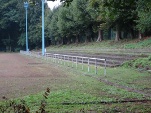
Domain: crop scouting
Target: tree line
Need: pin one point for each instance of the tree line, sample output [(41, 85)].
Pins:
[(73, 21)]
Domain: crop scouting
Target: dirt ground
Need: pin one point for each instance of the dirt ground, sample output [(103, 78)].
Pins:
[(21, 75)]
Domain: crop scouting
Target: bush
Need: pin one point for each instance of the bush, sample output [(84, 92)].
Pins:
[(21, 106), (139, 63)]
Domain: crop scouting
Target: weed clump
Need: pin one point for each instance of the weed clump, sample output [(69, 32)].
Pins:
[(14, 106), (141, 63)]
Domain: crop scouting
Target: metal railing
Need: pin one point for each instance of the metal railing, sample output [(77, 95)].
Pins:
[(70, 60)]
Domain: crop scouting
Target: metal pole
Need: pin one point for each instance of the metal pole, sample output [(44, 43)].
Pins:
[(26, 6), (68, 61), (43, 40), (58, 59), (105, 68), (55, 58), (88, 65), (64, 60), (82, 63), (95, 66), (72, 61), (76, 63), (61, 59)]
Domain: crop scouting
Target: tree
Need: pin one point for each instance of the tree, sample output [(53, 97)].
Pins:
[(115, 14), (144, 16), (95, 10), (9, 23)]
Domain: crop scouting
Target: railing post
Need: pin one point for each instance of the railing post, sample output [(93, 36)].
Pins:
[(68, 61), (82, 63), (51, 58), (64, 59), (55, 58), (58, 59), (88, 65), (76, 62), (72, 61), (45, 56), (95, 66), (61, 59), (105, 67)]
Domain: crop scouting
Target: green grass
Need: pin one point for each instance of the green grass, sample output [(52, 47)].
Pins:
[(141, 44), (132, 47), (88, 89), (82, 86), (83, 89), (125, 76), (139, 63), (104, 46)]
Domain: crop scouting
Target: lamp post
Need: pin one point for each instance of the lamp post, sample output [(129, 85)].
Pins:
[(26, 6), (43, 38)]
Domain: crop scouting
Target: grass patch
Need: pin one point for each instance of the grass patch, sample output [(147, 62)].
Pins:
[(77, 89), (140, 44), (107, 45), (140, 63)]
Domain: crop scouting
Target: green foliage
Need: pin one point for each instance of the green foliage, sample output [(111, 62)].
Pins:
[(141, 63), (21, 106), (144, 15), (141, 44), (73, 21)]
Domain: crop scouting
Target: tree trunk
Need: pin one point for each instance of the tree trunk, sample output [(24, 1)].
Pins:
[(62, 41), (77, 40), (10, 48), (86, 39), (132, 34), (140, 35), (100, 36), (118, 33)]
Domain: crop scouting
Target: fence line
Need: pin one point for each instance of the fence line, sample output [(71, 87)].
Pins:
[(69, 58)]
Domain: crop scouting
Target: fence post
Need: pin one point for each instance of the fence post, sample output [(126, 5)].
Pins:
[(105, 68), (57, 57), (64, 59), (82, 63), (61, 59), (53, 57), (76, 62), (88, 65), (95, 66), (72, 61), (45, 56), (68, 61)]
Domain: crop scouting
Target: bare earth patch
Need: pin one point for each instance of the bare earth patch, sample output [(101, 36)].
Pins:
[(21, 75)]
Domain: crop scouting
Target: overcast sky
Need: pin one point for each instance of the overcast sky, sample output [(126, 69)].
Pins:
[(53, 4)]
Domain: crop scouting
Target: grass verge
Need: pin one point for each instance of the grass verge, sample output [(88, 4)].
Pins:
[(79, 93)]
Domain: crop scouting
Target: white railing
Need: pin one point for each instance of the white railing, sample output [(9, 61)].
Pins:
[(69, 60)]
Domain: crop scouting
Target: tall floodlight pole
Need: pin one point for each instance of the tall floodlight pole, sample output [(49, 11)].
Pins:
[(43, 38), (26, 6)]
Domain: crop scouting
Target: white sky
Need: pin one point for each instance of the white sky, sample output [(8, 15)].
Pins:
[(53, 4)]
